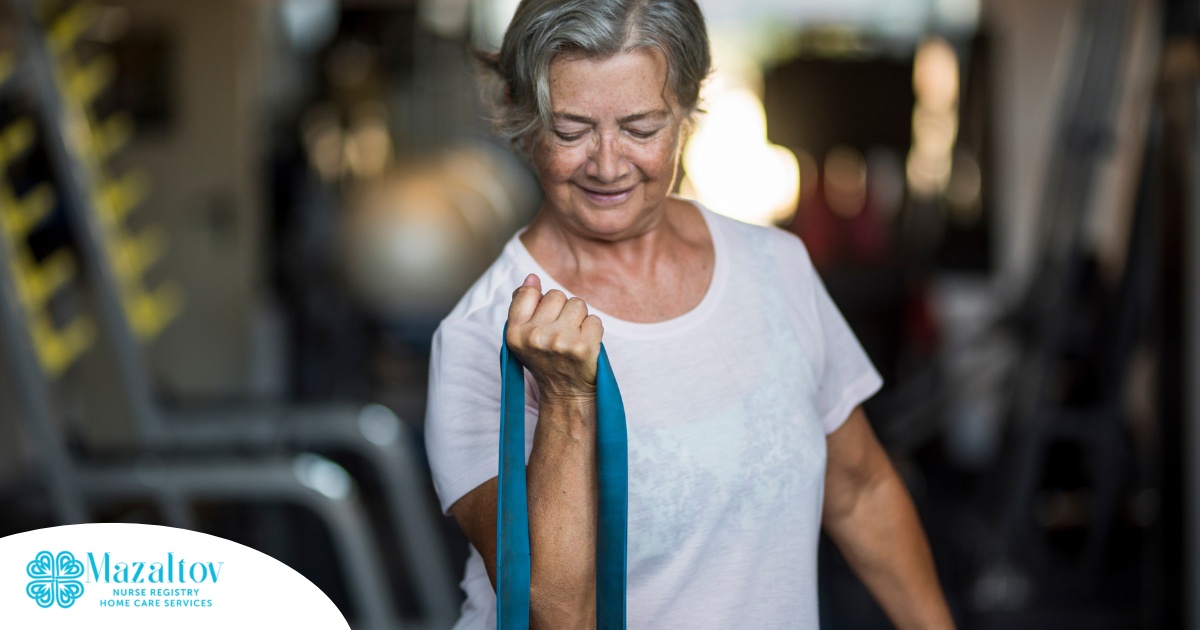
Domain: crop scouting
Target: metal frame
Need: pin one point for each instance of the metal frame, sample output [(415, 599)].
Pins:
[(73, 486), (263, 429), (1085, 124), (1191, 380)]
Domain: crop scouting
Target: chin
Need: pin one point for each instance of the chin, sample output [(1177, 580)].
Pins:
[(607, 224), (612, 221)]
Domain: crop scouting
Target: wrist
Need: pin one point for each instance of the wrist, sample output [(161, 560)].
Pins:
[(568, 401), (572, 412), (566, 393)]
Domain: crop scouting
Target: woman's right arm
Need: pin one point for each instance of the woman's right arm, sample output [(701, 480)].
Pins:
[(559, 343)]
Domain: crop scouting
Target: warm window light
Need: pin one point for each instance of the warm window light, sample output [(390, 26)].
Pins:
[(935, 74), (808, 175), (733, 169), (935, 117)]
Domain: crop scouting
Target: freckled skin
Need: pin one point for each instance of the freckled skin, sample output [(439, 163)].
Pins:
[(636, 253), (607, 154)]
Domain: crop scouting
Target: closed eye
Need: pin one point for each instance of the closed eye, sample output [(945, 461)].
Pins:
[(642, 134), (569, 137)]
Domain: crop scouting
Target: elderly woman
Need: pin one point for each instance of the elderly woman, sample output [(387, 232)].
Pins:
[(741, 380)]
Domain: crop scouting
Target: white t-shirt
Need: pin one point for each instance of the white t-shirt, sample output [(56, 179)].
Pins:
[(727, 408)]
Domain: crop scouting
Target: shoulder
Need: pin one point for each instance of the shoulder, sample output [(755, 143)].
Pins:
[(782, 249), (474, 327), (774, 259), (483, 309)]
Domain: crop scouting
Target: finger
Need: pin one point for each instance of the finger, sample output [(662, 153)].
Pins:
[(593, 331), (549, 307), (524, 302), (573, 313)]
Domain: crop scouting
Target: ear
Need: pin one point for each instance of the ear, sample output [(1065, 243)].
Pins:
[(525, 149)]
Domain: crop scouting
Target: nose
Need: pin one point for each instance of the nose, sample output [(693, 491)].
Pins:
[(606, 162)]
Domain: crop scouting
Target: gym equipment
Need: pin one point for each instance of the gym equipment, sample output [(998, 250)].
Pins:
[(413, 243), (1064, 330), (190, 448), (1086, 119), (76, 486), (57, 347)]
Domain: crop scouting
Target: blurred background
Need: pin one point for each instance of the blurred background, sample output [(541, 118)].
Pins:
[(230, 228)]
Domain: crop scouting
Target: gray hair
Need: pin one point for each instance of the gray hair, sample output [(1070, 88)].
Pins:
[(595, 29)]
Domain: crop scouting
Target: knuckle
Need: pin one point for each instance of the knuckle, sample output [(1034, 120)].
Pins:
[(538, 338), (562, 345), (595, 324), (556, 294), (519, 343)]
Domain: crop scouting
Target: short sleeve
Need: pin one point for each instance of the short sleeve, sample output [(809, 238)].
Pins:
[(846, 376), (463, 411)]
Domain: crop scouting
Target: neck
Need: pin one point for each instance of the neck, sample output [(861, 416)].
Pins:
[(569, 255)]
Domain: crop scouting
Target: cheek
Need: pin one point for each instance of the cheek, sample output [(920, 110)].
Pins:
[(557, 164), (658, 159)]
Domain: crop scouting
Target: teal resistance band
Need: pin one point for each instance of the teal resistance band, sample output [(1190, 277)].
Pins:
[(512, 526)]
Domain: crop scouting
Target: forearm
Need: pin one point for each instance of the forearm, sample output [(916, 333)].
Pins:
[(561, 483), (881, 537)]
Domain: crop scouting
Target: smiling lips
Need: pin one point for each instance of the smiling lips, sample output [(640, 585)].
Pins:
[(607, 197)]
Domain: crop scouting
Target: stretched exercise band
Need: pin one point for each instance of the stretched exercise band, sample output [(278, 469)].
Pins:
[(512, 525)]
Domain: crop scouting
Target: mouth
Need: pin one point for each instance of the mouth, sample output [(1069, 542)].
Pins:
[(607, 197)]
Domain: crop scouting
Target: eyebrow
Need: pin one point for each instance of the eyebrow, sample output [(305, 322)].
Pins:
[(658, 113)]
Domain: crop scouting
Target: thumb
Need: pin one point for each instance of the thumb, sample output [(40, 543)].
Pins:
[(525, 303), (533, 281)]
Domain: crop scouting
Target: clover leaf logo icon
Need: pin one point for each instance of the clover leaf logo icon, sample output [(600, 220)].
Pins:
[(55, 579)]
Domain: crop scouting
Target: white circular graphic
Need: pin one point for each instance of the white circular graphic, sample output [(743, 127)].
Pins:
[(121, 575)]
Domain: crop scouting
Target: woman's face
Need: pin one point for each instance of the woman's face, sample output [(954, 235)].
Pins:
[(609, 160)]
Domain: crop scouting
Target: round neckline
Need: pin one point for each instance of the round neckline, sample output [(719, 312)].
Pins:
[(625, 328)]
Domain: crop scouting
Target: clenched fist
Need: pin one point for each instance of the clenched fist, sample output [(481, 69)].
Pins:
[(556, 339)]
